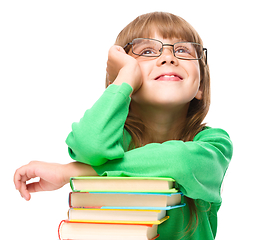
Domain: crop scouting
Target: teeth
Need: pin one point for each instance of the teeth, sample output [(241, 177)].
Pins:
[(168, 76)]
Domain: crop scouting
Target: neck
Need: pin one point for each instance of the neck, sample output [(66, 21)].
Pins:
[(161, 124)]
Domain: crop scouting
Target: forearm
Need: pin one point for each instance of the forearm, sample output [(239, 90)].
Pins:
[(126, 75), (97, 137), (197, 166), (77, 169)]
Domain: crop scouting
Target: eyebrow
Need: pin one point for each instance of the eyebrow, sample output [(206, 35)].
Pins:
[(179, 40)]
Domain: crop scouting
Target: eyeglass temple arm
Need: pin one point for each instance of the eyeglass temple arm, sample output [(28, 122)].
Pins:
[(126, 45), (206, 53)]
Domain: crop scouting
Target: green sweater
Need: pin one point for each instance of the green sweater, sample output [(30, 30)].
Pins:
[(198, 166)]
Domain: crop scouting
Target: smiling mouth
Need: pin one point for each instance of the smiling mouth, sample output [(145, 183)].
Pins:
[(169, 77)]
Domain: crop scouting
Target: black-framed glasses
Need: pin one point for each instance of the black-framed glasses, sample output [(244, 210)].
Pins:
[(148, 47)]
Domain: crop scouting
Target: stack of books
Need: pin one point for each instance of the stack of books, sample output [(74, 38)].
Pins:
[(118, 208)]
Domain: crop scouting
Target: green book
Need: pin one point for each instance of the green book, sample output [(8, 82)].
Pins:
[(123, 184)]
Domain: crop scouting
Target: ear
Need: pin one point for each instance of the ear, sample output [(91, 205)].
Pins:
[(199, 94)]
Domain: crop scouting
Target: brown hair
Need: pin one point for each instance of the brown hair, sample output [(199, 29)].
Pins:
[(170, 26)]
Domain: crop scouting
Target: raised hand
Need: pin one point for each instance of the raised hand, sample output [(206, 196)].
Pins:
[(122, 67)]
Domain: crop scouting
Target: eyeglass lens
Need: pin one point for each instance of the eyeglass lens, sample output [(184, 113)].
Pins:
[(153, 48)]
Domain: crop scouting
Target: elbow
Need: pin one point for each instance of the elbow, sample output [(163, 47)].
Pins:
[(91, 157), (82, 150), (92, 150), (95, 156)]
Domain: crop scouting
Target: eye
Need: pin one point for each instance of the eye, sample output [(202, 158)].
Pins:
[(182, 49), (148, 51), (186, 50)]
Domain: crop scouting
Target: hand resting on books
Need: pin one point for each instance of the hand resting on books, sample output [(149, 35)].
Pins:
[(52, 176)]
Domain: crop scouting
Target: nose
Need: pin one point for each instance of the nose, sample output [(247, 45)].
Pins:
[(167, 57)]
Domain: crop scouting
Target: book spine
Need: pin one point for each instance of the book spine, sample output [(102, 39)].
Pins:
[(71, 184), (59, 229), (155, 237), (69, 200)]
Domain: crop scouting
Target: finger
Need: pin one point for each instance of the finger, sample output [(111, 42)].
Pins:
[(24, 192), (23, 189), (120, 49), (16, 180), (22, 175), (116, 48), (19, 173), (34, 187)]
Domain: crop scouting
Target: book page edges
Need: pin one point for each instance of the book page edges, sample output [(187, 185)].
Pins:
[(158, 222), (92, 222), (171, 183), (124, 178), (130, 210), (172, 190)]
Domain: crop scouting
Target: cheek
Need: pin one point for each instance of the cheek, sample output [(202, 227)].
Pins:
[(198, 73), (196, 84), (193, 71), (193, 81)]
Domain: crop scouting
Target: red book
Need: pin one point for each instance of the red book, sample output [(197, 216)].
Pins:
[(100, 231)]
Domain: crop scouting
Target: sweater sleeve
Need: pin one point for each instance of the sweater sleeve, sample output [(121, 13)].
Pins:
[(97, 137), (197, 166)]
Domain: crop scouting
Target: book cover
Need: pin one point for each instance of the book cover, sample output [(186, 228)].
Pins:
[(109, 200), (110, 231), (117, 215), (122, 184), (157, 222)]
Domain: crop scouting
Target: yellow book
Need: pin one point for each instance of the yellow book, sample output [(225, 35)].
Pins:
[(124, 216)]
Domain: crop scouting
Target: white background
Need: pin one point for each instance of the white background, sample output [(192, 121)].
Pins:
[(52, 68)]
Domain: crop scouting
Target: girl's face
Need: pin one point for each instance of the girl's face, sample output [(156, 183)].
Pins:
[(167, 81)]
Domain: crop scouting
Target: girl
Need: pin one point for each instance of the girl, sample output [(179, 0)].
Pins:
[(148, 122)]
